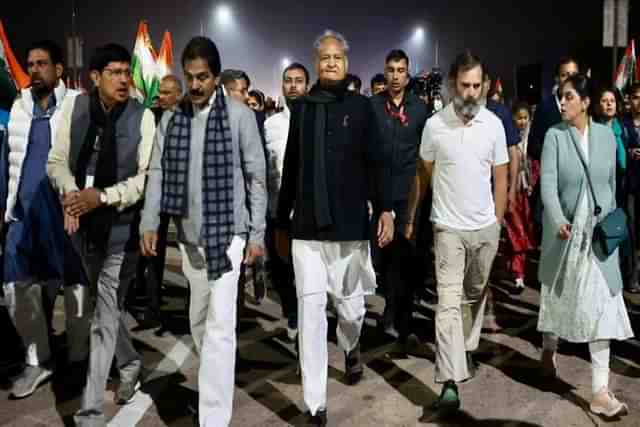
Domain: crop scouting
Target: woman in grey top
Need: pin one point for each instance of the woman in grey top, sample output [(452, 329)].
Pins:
[(581, 295)]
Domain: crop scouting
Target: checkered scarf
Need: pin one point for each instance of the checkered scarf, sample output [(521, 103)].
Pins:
[(217, 179)]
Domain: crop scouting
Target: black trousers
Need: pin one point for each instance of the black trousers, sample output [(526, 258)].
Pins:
[(424, 256), (150, 274), (397, 268), (628, 261), (282, 275), (396, 264)]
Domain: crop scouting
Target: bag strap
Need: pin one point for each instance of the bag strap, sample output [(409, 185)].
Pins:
[(597, 209)]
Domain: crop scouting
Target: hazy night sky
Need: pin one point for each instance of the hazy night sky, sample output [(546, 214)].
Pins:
[(503, 33)]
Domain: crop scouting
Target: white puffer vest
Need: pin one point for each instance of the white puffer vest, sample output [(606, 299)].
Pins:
[(19, 128)]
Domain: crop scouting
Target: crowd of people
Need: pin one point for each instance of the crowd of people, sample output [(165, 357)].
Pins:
[(329, 194)]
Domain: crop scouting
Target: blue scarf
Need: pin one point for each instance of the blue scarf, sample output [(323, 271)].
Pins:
[(217, 179)]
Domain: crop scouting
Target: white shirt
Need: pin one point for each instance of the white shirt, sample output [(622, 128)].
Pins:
[(464, 156), (276, 133)]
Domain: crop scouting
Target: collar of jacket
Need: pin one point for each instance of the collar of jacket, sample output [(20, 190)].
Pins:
[(26, 97)]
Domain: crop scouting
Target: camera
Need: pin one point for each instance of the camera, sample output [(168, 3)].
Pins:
[(427, 84)]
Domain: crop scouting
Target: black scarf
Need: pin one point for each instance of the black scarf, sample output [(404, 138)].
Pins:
[(100, 138), (318, 99)]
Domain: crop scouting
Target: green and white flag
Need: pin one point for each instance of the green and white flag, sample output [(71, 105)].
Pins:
[(146, 83)]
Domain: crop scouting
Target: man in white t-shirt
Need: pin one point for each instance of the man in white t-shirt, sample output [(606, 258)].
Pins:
[(464, 152)]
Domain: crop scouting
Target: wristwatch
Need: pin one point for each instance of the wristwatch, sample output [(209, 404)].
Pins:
[(103, 197)]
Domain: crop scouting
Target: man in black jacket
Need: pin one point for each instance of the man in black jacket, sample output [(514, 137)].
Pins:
[(401, 116), (547, 114), (332, 167)]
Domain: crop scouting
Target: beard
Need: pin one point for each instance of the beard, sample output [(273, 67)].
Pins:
[(40, 88), (467, 107)]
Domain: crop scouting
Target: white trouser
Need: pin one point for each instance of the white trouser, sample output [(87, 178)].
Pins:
[(24, 303), (321, 268), (600, 355), (212, 317)]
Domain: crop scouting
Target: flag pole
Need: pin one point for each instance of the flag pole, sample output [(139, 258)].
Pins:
[(615, 36), (74, 77)]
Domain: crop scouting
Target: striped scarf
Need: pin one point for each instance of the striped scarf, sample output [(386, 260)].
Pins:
[(217, 179)]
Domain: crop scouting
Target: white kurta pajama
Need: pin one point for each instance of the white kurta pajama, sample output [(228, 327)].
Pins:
[(343, 270)]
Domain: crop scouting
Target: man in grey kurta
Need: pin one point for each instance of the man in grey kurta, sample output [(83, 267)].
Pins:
[(213, 299)]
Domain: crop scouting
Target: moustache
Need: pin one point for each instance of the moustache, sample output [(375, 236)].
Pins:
[(196, 93)]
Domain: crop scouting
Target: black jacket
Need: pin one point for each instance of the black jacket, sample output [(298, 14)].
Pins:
[(401, 144), (547, 115), (354, 171)]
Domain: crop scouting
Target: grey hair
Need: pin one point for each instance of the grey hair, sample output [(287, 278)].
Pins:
[(230, 76), (330, 34), (174, 79)]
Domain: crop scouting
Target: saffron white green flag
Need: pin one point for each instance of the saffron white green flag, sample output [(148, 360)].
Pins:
[(144, 68), (165, 57), (627, 73)]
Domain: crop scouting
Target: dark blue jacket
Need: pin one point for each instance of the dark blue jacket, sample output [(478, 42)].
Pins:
[(631, 140), (503, 113)]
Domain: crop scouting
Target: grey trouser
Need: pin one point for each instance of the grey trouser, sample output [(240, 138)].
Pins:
[(25, 305), (109, 336), (463, 265)]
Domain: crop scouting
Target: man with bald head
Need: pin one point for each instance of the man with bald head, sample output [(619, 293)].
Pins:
[(170, 92), (332, 167)]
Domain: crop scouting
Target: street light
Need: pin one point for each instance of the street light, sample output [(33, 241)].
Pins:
[(285, 62), (223, 15), (418, 35)]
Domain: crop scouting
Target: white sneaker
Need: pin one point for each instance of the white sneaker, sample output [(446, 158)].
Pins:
[(606, 404), (29, 380)]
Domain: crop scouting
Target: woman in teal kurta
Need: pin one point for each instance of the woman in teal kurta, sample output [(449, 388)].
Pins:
[(581, 296)]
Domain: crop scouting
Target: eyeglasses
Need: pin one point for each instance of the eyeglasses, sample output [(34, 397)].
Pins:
[(118, 72)]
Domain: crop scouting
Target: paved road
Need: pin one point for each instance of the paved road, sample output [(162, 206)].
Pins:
[(508, 390)]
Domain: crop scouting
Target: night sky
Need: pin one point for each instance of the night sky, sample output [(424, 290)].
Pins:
[(503, 33)]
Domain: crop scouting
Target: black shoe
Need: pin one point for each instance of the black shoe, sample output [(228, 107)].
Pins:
[(353, 366), (447, 404), (317, 420), (298, 366), (192, 409), (75, 378), (633, 288)]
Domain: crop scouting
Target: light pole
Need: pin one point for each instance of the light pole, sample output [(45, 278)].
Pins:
[(417, 43)]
